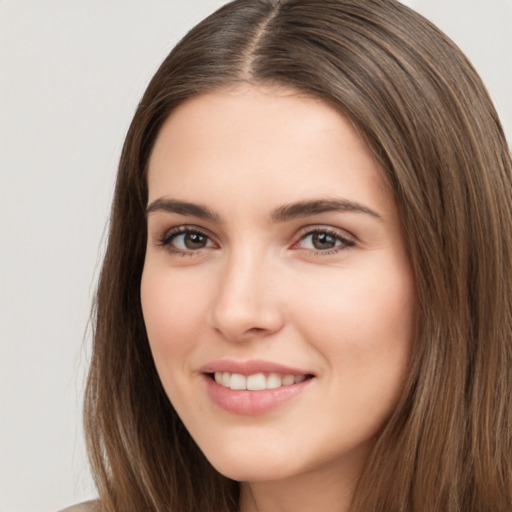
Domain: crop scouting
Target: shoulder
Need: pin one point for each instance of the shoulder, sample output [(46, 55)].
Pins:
[(87, 506)]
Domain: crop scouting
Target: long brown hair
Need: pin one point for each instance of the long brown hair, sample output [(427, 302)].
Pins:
[(425, 114)]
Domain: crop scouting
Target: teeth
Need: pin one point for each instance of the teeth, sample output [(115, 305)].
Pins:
[(273, 381), (226, 378), (288, 380), (238, 381), (256, 381)]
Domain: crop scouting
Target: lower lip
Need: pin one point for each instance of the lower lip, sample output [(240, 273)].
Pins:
[(252, 402)]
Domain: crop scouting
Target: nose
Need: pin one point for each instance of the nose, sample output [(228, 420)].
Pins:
[(247, 305)]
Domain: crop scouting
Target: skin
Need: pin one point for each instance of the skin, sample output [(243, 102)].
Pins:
[(261, 288)]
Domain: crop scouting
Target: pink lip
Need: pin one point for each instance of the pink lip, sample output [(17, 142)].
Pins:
[(250, 367), (246, 402)]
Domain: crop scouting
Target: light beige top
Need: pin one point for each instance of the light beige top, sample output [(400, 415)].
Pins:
[(86, 506)]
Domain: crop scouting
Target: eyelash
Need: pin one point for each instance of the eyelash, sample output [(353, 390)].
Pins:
[(170, 236), (345, 242), (342, 242)]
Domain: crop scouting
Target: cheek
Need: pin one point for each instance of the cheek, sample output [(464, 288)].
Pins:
[(359, 302), (173, 314), (366, 337), (363, 324)]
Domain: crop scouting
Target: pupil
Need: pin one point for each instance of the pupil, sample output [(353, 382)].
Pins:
[(323, 241), (195, 241)]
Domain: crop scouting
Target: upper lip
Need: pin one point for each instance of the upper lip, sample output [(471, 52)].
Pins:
[(251, 367)]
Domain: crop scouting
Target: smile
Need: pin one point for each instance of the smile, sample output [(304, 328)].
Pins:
[(256, 381), (256, 393)]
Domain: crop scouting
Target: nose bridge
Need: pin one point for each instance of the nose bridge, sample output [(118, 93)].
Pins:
[(246, 303)]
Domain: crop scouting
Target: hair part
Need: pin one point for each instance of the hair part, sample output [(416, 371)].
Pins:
[(427, 117)]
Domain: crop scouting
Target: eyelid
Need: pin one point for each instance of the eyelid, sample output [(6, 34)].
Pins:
[(325, 227), (348, 240), (170, 234)]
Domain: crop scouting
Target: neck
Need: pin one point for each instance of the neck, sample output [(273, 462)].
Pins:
[(329, 490)]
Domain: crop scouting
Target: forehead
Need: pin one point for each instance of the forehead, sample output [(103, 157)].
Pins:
[(260, 141), (257, 113)]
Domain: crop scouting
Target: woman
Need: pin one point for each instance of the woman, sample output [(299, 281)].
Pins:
[(305, 302)]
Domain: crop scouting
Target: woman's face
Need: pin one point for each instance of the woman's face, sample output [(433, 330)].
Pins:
[(275, 266)]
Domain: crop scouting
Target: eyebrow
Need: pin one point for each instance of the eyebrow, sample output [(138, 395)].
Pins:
[(182, 208), (307, 208), (284, 213)]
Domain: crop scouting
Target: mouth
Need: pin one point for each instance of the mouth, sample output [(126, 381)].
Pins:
[(254, 386), (256, 381)]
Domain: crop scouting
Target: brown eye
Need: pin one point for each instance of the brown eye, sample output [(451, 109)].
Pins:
[(194, 240), (324, 241), (186, 241)]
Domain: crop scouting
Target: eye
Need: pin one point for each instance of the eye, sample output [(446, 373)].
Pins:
[(323, 240), (185, 240)]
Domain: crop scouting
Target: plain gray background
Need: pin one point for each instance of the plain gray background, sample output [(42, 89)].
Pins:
[(71, 74)]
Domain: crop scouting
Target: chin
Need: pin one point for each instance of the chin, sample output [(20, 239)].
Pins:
[(250, 472), (246, 468)]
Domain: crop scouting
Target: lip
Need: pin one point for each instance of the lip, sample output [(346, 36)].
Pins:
[(251, 367), (249, 403)]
